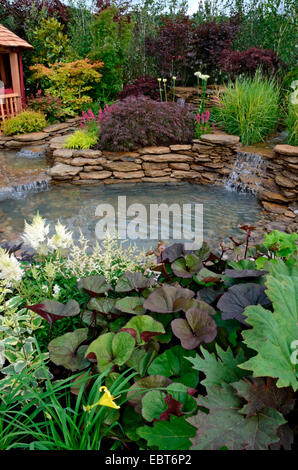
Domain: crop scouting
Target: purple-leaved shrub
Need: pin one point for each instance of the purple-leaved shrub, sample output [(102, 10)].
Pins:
[(139, 121)]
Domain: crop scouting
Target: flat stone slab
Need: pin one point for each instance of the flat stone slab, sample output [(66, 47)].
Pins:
[(63, 153), (32, 137), (62, 170), (220, 139), (122, 166), (96, 175), (56, 127), (154, 150), (87, 153), (170, 157), (286, 150)]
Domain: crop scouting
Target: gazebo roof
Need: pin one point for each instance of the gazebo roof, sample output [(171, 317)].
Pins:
[(9, 39)]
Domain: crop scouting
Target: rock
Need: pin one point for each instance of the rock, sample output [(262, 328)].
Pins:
[(290, 214), (32, 137), (66, 161), (213, 165), (154, 166), (57, 142), (276, 208), (177, 148), (80, 161), (13, 144), (122, 166), (121, 156), (285, 182), (170, 157), (210, 176), (185, 174), (286, 150), (272, 196), (63, 153), (96, 175), (157, 173), (128, 175), (87, 153), (220, 139), (61, 170), (93, 168), (179, 166), (56, 127), (154, 150)]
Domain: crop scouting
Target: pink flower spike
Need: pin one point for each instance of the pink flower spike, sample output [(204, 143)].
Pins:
[(202, 118), (198, 117), (213, 125), (207, 115)]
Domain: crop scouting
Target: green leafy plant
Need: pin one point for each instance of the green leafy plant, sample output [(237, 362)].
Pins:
[(249, 108), (71, 81), (80, 140), (51, 44), (24, 123)]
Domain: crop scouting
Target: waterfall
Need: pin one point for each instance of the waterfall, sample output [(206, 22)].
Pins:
[(20, 191), (247, 173)]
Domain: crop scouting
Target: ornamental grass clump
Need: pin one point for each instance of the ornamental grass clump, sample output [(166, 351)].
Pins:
[(249, 108), (139, 121)]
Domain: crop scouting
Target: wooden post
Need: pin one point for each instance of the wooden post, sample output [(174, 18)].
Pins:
[(15, 76)]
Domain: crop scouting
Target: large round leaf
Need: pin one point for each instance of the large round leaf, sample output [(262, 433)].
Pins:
[(167, 299), (133, 305), (66, 350), (52, 310), (187, 266), (103, 305), (198, 328), (111, 349), (142, 386), (173, 363), (145, 327), (94, 285), (233, 302), (133, 281)]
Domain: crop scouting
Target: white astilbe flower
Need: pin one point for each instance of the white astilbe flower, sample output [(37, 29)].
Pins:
[(205, 77), (10, 268), (35, 233), (56, 291), (294, 84), (294, 97), (62, 238), (198, 74)]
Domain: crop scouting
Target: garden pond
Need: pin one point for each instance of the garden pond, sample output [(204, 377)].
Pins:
[(75, 206)]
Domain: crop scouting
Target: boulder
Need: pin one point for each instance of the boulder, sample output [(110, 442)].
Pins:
[(180, 174), (154, 150), (169, 157), (272, 197), (61, 170), (220, 139), (80, 161), (32, 137), (63, 153), (177, 148), (157, 173), (179, 166), (96, 175), (286, 150), (272, 207), (128, 174), (122, 166), (87, 153), (285, 182), (56, 127)]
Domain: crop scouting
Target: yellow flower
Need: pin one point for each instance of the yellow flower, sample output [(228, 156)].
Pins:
[(106, 400)]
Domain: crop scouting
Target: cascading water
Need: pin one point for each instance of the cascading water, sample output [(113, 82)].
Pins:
[(20, 190), (247, 173)]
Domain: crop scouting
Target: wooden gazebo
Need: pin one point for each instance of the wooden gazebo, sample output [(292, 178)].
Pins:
[(12, 92)]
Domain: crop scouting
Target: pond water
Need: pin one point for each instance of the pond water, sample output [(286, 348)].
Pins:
[(75, 207)]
